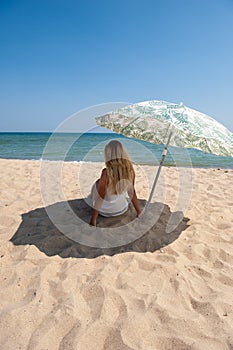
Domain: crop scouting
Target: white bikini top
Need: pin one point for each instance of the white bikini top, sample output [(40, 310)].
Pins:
[(114, 204)]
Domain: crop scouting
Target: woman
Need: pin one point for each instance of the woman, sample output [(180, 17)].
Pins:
[(109, 193)]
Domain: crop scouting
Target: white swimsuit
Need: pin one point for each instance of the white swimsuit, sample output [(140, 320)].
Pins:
[(113, 204)]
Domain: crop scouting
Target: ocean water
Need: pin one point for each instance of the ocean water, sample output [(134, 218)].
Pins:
[(89, 148)]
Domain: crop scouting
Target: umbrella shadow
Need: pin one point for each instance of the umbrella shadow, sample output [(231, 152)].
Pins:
[(37, 229)]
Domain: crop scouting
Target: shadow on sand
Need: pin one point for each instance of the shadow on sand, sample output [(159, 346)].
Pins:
[(36, 228)]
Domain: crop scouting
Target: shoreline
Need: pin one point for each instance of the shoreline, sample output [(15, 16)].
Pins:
[(135, 164)]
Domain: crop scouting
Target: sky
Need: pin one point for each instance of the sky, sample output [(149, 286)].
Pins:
[(61, 56)]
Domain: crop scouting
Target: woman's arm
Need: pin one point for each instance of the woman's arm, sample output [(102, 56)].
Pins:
[(101, 190), (133, 196)]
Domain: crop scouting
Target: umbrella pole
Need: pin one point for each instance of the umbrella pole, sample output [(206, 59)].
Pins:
[(158, 173)]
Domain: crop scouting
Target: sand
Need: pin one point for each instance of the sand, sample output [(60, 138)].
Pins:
[(170, 288)]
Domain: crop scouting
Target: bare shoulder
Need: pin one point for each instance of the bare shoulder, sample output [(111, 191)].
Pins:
[(104, 175), (133, 177)]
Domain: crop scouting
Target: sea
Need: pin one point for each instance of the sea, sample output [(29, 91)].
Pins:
[(89, 147)]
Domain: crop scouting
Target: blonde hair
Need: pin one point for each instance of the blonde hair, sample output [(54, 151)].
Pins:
[(119, 168)]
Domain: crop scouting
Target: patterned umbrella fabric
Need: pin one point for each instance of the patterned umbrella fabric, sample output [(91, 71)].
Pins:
[(152, 120)]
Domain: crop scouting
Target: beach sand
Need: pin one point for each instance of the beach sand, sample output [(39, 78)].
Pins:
[(171, 288)]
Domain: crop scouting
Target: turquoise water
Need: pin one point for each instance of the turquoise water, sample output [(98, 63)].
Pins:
[(89, 148)]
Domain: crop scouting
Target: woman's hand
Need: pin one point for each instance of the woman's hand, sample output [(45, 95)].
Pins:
[(139, 213), (93, 222)]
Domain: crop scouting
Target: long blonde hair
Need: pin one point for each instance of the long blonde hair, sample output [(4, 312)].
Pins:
[(120, 172)]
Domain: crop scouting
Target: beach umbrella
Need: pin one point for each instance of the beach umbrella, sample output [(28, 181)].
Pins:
[(170, 124)]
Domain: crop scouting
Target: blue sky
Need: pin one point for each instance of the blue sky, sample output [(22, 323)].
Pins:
[(60, 56)]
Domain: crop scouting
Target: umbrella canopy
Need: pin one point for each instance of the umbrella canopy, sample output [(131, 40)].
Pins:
[(151, 121)]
